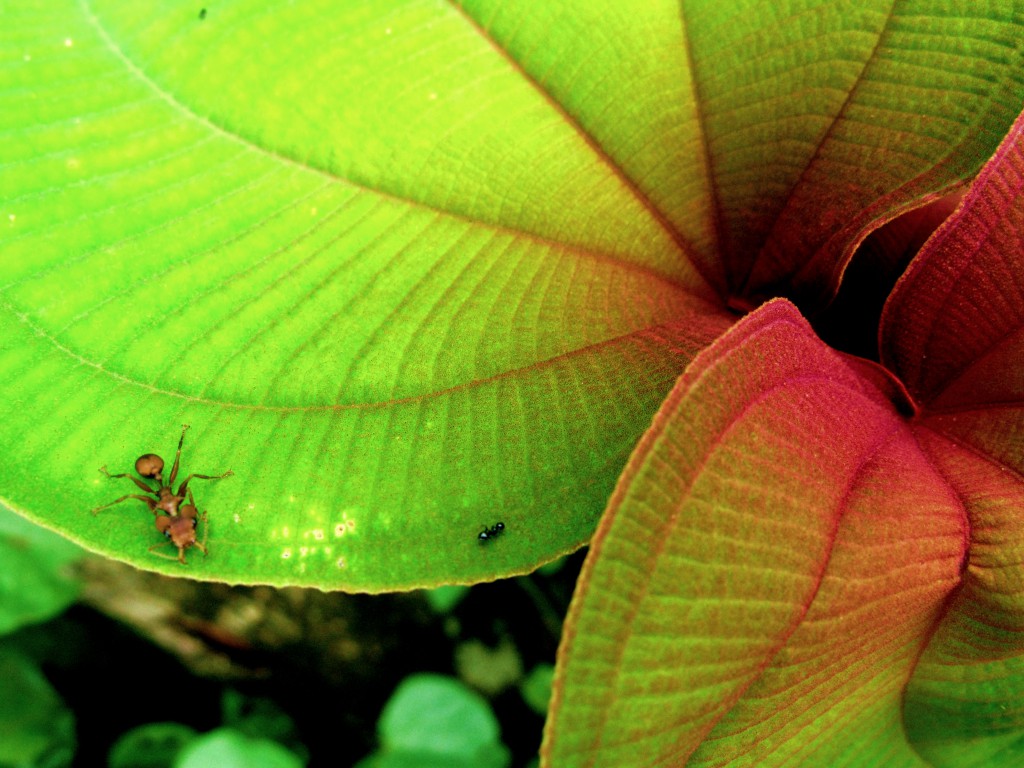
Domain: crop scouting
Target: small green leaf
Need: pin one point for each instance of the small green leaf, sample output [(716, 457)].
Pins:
[(489, 670), (420, 760), (536, 688), (550, 569), (227, 748), (443, 599), (36, 729), (154, 745), (256, 716), (435, 715)]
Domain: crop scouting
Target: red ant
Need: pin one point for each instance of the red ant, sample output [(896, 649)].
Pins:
[(176, 521)]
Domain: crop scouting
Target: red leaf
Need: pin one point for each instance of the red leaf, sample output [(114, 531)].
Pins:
[(954, 330), (775, 555)]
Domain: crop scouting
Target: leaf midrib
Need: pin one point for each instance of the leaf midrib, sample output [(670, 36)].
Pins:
[(685, 247), (39, 331)]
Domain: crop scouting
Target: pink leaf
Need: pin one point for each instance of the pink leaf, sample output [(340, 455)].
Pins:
[(774, 557), (954, 330)]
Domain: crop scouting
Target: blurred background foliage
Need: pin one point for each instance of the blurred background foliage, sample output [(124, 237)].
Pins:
[(102, 664)]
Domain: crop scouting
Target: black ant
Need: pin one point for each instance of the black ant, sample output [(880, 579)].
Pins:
[(176, 521), (490, 533)]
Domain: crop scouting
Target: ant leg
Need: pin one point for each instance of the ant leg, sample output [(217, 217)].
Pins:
[(180, 557), (206, 532), (177, 456), (149, 502), (135, 480), (184, 483)]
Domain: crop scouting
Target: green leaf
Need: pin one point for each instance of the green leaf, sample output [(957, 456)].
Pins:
[(260, 718), (536, 688), (397, 318), (771, 136), (867, 110), (227, 748), (36, 729), (432, 715), (34, 582), (154, 745), (418, 760), (443, 599), (412, 269)]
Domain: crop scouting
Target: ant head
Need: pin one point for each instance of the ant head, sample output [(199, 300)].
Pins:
[(189, 511), (163, 524), (149, 465), (499, 526)]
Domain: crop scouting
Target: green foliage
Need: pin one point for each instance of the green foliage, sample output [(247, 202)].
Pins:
[(228, 748), (259, 718), (36, 729), (443, 599), (35, 582), (431, 720), (536, 688), (418, 760), (154, 745), (550, 569), (254, 732)]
